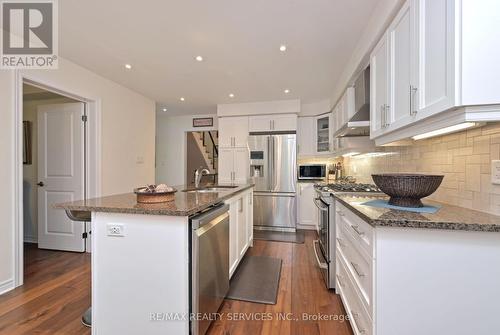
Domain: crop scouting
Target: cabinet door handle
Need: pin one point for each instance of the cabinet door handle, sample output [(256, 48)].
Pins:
[(413, 111), (387, 116), (382, 125), (356, 229), (356, 269)]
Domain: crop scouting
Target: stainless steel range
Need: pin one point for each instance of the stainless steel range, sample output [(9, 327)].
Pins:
[(324, 247)]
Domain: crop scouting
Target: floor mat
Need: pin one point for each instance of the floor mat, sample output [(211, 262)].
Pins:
[(278, 236), (256, 280)]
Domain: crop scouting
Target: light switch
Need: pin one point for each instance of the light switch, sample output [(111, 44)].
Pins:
[(495, 172)]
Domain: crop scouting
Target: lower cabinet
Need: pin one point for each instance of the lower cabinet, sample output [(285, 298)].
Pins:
[(240, 227), (307, 212)]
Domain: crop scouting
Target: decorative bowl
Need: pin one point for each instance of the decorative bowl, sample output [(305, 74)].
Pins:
[(150, 195), (406, 189)]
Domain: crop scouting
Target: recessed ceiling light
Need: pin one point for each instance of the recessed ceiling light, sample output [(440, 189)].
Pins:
[(199, 58), (128, 66), (282, 48), (231, 95), (182, 99), (164, 109), (286, 91)]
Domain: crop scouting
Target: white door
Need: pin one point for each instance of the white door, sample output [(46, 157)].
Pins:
[(401, 93), (379, 77), (60, 174)]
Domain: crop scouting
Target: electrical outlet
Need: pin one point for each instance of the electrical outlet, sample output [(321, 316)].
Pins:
[(115, 229), (495, 172)]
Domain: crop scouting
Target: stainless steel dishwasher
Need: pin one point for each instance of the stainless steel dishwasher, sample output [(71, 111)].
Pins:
[(209, 265)]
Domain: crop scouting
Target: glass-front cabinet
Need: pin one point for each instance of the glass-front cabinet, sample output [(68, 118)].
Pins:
[(323, 133)]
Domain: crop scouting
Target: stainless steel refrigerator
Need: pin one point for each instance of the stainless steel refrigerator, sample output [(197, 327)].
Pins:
[(273, 170)]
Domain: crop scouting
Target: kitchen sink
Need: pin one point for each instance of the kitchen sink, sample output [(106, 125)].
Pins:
[(215, 188)]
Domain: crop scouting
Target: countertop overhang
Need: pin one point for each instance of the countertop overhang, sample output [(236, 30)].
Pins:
[(448, 217), (184, 204)]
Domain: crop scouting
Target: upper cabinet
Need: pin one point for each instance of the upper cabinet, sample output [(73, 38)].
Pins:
[(437, 57), (233, 131), (379, 87), (277, 122), (305, 136), (323, 133)]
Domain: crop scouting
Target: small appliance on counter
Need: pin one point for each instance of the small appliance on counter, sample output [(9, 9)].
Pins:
[(312, 171)]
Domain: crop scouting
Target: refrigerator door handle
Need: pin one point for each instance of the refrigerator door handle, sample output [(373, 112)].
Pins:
[(269, 160)]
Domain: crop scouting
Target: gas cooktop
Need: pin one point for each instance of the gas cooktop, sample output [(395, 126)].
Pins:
[(346, 187)]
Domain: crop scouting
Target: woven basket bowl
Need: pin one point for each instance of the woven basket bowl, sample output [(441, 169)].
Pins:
[(154, 198), (405, 189)]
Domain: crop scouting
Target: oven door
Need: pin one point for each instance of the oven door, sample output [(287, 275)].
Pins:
[(323, 219)]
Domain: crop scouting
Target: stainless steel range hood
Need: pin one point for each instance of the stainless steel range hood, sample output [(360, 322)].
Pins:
[(359, 123)]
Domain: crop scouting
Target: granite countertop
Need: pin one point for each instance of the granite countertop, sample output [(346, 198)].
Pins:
[(185, 203), (448, 217)]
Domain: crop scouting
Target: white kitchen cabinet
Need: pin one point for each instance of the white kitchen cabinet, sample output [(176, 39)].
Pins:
[(307, 211), (379, 87), (233, 165), (233, 131), (401, 92), (277, 122), (443, 57), (240, 227), (379, 269), (305, 136), (433, 73)]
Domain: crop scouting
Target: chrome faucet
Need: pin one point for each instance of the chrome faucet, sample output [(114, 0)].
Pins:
[(198, 174)]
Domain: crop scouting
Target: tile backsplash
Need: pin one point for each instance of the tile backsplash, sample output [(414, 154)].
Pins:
[(463, 158)]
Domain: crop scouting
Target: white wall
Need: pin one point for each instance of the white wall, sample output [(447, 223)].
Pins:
[(171, 146), (315, 108), (374, 28), (127, 133), (261, 107)]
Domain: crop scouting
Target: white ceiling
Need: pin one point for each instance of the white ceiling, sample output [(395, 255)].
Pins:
[(239, 41)]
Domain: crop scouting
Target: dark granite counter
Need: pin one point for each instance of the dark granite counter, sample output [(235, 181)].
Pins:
[(185, 203), (448, 217)]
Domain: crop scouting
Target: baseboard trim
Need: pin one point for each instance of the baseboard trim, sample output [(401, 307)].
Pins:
[(30, 239), (6, 286)]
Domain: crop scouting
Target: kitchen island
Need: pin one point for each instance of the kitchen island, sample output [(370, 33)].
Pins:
[(142, 255)]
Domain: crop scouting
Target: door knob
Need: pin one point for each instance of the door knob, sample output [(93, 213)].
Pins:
[(41, 184)]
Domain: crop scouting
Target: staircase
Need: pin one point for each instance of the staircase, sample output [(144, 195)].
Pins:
[(207, 142)]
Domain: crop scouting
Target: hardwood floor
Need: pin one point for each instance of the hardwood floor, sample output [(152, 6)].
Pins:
[(301, 290), (57, 292)]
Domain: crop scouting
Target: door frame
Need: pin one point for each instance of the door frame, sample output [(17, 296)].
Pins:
[(92, 147)]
